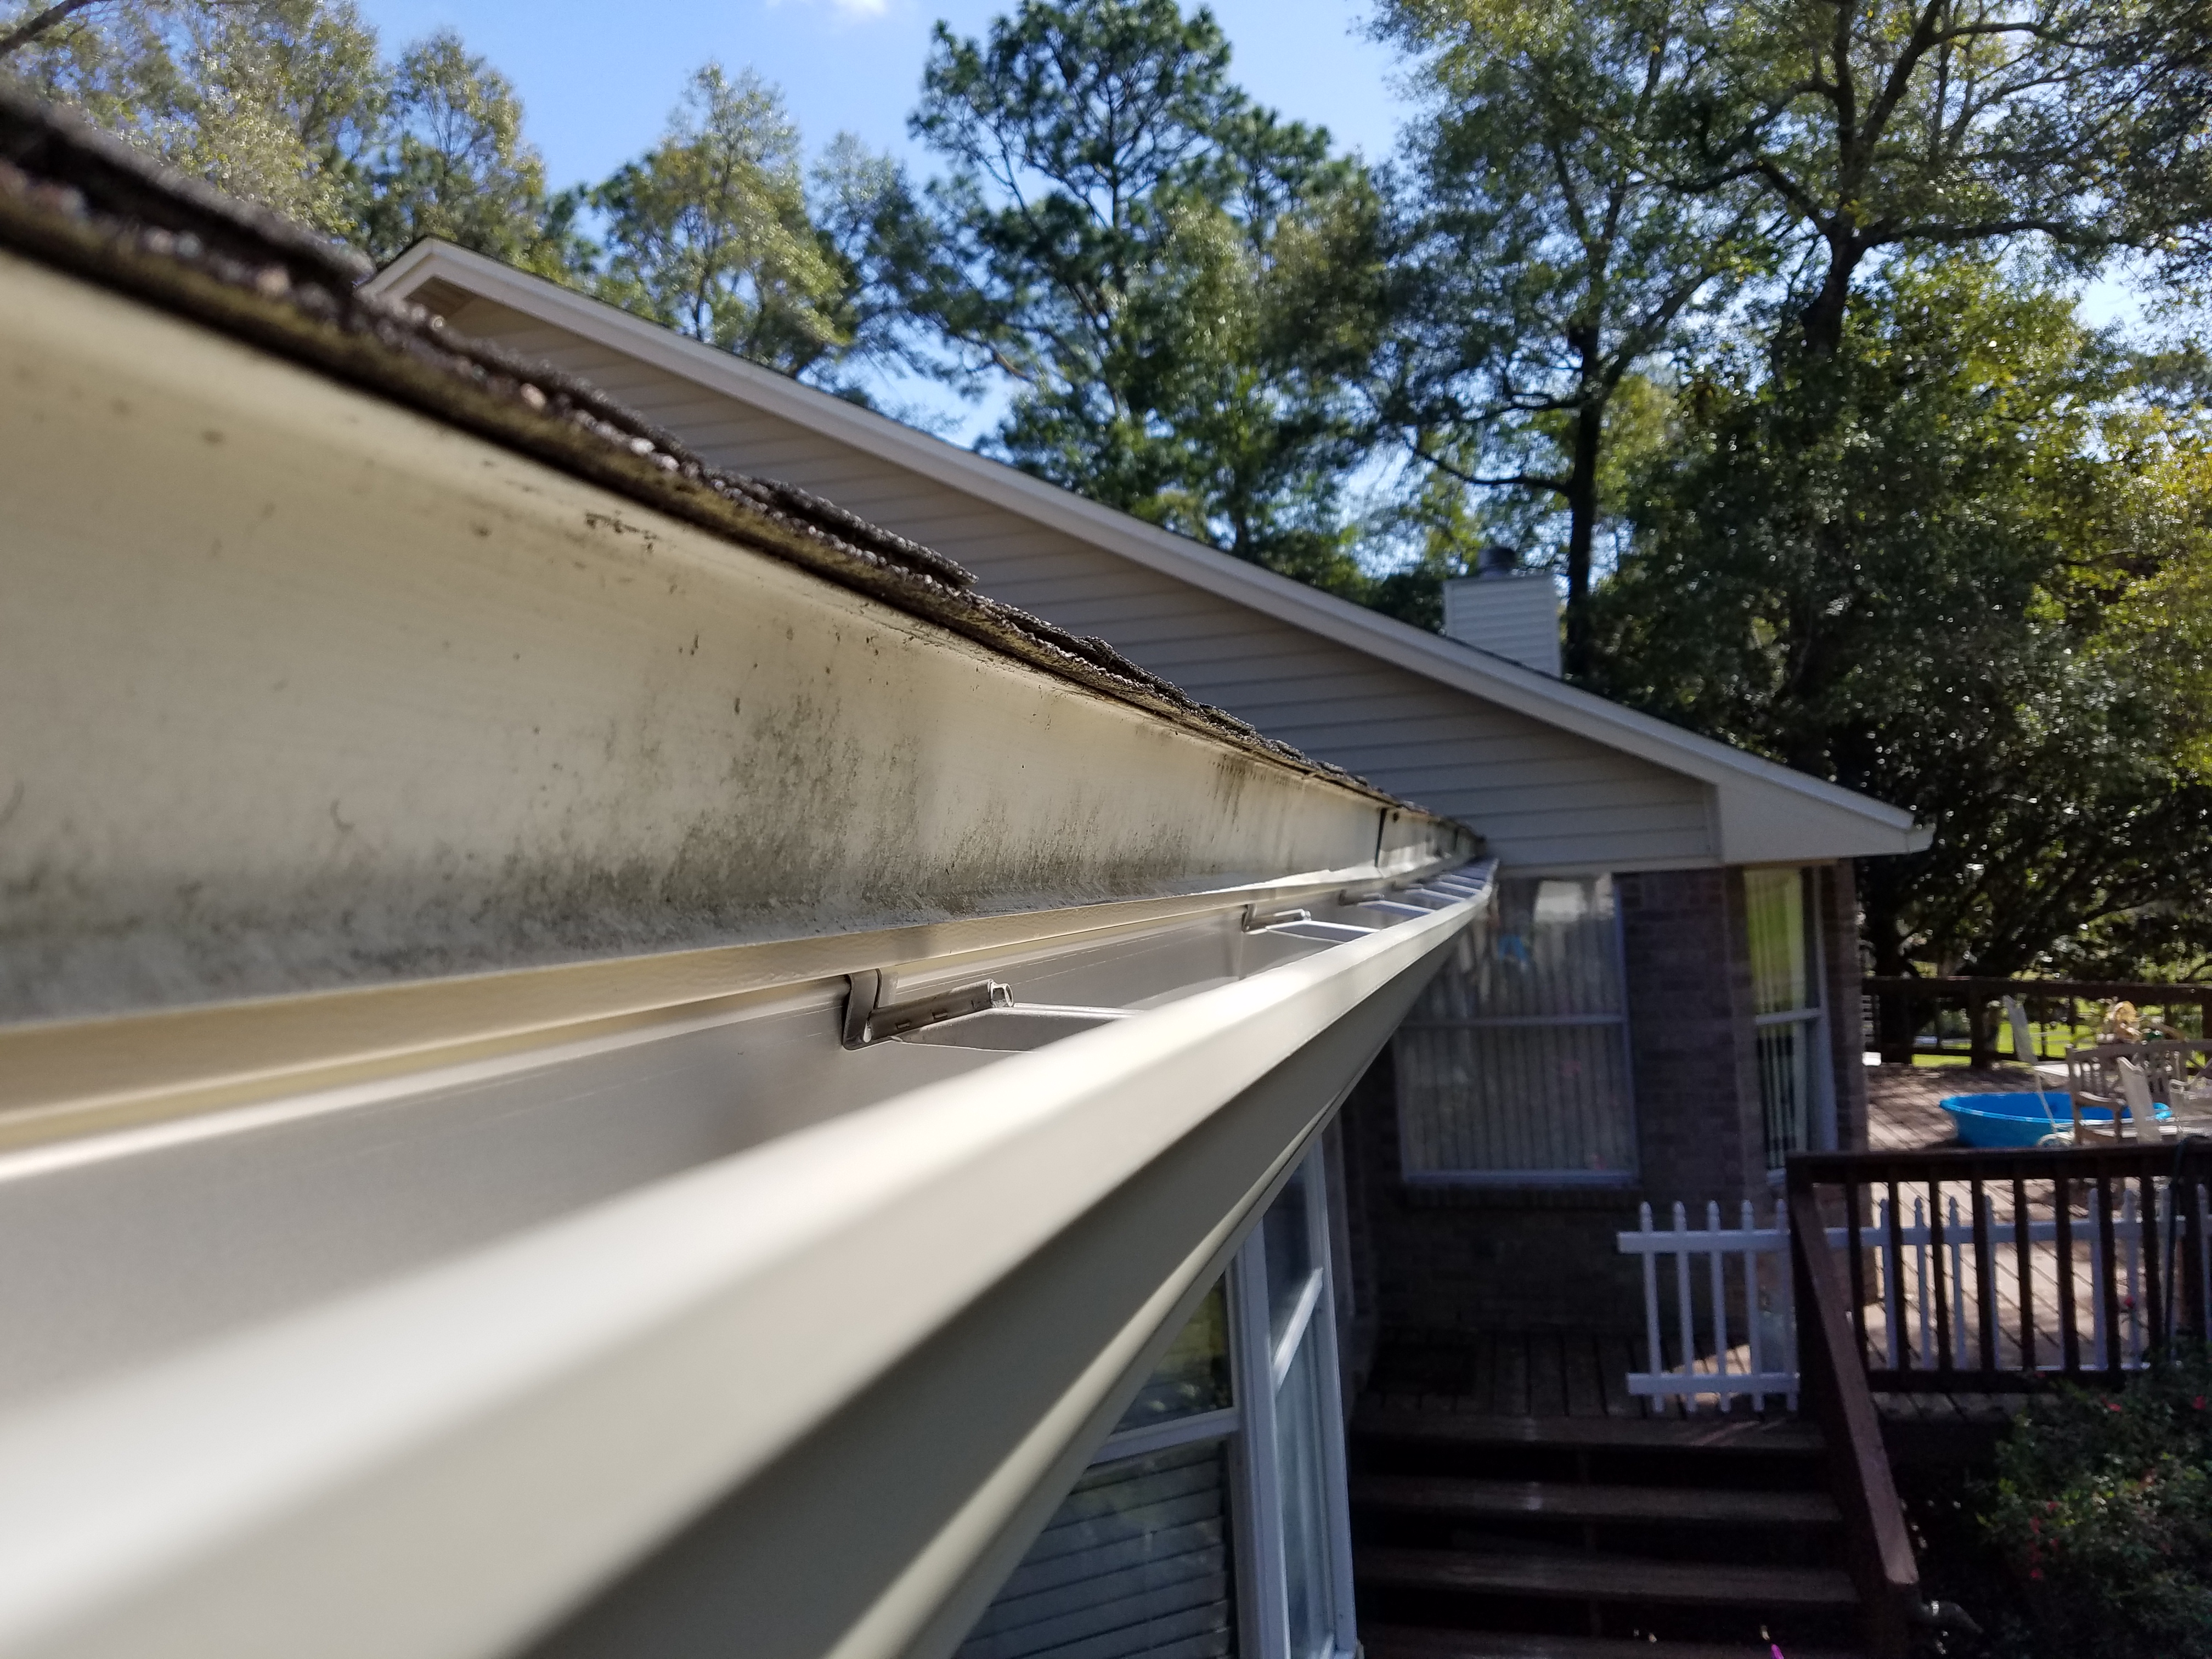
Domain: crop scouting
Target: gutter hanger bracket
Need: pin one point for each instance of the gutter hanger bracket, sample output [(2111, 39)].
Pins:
[(867, 1020)]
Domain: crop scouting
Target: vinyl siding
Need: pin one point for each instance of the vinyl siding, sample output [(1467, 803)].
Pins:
[(1543, 799)]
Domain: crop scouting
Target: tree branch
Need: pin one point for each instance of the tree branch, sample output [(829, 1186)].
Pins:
[(40, 22), (1516, 481)]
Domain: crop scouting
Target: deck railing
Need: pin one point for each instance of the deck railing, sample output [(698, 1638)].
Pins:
[(1959, 1016), (1962, 1271), (1877, 1547), (1965, 1271), (1995, 1271)]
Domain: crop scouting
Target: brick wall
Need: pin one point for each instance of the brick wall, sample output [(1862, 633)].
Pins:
[(1434, 1260), (1842, 972)]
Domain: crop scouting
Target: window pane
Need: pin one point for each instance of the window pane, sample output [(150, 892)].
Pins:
[(1542, 949), (1299, 1425), (1785, 1088), (1781, 961), (1288, 1242), (1193, 1376), (1515, 1061), (1135, 1562), (1533, 1097)]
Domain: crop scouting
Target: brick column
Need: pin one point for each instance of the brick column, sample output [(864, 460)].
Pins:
[(1697, 1117), (1840, 935)]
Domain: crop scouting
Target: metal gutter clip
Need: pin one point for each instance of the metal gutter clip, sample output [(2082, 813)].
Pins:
[(867, 1021), (986, 1010)]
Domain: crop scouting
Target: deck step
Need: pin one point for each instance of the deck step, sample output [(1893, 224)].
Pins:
[(1406, 1643), (1781, 1435), (1555, 1500), (1589, 1576)]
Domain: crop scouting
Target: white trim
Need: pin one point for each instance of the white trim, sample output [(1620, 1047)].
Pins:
[(1265, 1633), (1764, 806), (1164, 1436), (1336, 1473), (1278, 1364)]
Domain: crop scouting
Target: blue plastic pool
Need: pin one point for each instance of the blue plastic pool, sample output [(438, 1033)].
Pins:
[(2015, 1120)]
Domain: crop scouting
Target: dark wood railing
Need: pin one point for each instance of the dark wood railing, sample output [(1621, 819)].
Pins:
[(1877, 1549), (2144, 1283), (2137, 1213), (1959, 1016)]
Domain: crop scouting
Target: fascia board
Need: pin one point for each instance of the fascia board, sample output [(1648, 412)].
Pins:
[(1764, 804)]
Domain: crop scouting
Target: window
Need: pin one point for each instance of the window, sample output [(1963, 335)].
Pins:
[(1513, 1068), (1785, 994), (1211, 1523)]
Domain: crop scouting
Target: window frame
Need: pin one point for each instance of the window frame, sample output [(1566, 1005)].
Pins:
[(1258, 1367), (1811, 1020)]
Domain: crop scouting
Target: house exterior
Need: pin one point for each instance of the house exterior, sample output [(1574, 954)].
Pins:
[(601, 1057), (739, 1031), (1662, 1004)]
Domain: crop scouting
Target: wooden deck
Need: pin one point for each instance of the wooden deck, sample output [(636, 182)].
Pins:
[(1566, 1373), (1538, 1373), (1902, 1114)]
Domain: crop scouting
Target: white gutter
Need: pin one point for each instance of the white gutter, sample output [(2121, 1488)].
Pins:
[(446, 1464)]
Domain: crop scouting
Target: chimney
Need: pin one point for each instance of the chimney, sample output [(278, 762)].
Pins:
[(1506, 610)]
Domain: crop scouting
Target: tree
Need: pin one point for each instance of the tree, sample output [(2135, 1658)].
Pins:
[(878, 236), (271, 100), (1544, 257), (709, 233), (1881, 124), (449, 159), (1937, 593), (1180, 286)]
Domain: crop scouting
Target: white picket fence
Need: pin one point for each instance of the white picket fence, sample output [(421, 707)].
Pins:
[(1741, 1341), (1764, 1286)]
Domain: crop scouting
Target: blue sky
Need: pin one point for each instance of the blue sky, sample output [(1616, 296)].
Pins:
[(597, 82)]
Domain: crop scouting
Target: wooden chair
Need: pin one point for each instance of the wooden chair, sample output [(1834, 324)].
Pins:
[(2188, 1085), (2093, 1081), (2177, 1063)]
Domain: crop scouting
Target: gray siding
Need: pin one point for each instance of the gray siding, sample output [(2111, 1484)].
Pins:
[(1544, 799)]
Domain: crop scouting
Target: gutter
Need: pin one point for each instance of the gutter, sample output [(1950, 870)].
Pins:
[(658, 1421)]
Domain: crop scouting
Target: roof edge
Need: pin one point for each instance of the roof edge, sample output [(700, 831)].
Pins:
[(1464, 667)]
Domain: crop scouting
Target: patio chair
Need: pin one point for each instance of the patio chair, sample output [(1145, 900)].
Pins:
[(2092, 1081), (2023, 1054), (2189, 1091), (2177, 1063), (2135, 1096)]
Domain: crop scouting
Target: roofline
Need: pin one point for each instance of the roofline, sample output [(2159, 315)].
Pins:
[(1463, 667)]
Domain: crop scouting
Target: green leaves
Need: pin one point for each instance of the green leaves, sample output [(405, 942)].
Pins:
[(449, 159), (709, 232), (1543, 255), (1918, 568), (1952, 123), (1182, 287), (2102, 1513)]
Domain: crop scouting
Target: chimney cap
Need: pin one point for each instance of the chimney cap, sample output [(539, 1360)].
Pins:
[(1496, 560)]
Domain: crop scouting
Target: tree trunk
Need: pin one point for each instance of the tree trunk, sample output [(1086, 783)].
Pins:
[(1823, 316), (1896, 1017), (1581, 527)]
